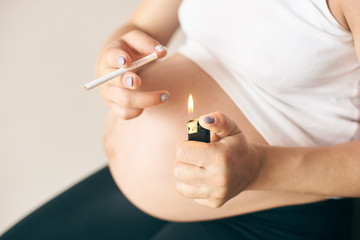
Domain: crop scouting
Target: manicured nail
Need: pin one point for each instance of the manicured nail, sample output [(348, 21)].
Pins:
[(164, 97), (121, 60), (208, 119), (129, 81), (160, 48)]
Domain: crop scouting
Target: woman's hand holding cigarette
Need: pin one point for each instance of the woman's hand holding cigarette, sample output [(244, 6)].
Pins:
[(213, 173), (119, 93)]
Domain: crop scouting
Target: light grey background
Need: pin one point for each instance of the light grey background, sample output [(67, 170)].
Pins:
[(50, 127)]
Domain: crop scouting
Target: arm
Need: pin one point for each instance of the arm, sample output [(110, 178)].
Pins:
[(212, 173), (157, 18), (351, 10), (331, 171)]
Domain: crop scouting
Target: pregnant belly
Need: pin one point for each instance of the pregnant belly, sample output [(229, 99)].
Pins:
[(142, 167), (141, 151)]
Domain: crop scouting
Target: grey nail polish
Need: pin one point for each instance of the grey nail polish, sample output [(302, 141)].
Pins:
[(129, 81), (208, 119), (160, 48), (121, 61), (164, 97)]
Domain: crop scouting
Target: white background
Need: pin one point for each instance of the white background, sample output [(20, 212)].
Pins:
[(50, 127)]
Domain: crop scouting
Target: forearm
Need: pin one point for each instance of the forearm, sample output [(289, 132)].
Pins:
[(329, 171), (157, 18)]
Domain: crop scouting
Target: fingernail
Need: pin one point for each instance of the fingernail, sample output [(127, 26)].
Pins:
[(164, 97), (208, 119), (121, 60), (160, 48), (129, 81)]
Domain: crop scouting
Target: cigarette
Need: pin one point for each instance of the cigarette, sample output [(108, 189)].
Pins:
[(107, 77)]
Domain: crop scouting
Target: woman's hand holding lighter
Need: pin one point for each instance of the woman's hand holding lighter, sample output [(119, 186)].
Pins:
[(118, 93), (210, 173), (213, 173)]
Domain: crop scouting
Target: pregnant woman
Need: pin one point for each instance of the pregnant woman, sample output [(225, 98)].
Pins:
[(278, 85)]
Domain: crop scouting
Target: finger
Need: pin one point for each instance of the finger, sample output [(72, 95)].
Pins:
[(117, 58), (194, 153), (120, 112), (131, 80), (210, 203), (191, 191), (127, 98), (161, 51), (144, 44), (128, 80), (189, 174), (124, 113), (219, 124)]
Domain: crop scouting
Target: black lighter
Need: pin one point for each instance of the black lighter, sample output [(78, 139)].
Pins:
[(195, 131)]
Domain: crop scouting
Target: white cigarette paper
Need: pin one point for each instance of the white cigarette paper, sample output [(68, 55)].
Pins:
[(107, 77)]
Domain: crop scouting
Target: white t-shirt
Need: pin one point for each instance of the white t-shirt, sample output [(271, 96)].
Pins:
[(288, 65)]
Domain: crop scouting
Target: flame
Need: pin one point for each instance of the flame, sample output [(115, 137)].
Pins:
[(190, 106)]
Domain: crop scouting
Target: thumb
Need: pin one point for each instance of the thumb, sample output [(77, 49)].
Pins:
[(219, 124)]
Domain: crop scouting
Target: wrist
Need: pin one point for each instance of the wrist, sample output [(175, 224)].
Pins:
[(282, 168), (258, 159)]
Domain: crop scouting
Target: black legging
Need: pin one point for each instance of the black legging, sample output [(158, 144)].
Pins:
[(96, 209)]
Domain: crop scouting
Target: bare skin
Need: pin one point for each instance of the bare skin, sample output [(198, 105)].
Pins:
[(143, 167), (141, 152)]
